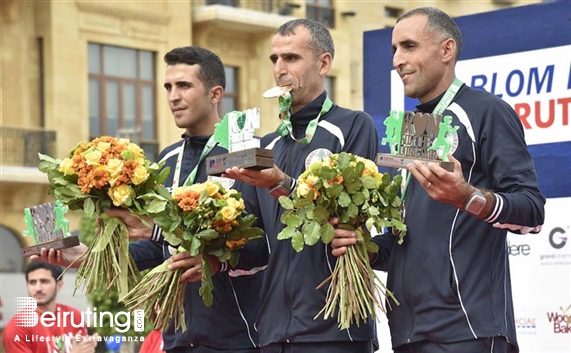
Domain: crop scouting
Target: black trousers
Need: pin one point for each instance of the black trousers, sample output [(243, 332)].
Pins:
[(481, 345), (203, 349), (322, 347)]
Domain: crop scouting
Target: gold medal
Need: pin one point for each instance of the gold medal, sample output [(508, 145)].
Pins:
[(276, 91)]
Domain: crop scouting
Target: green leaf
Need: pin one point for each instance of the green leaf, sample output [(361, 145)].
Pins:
[(369, 182), (334, 191), (344, 200), (286, 202), (297, 241), (327, 233), (371, 247), (195, 245), (327, 173), (373, 211), (321, 215), (354, 186), (208, 234), (343, 160), (89, 207), (358, 198), (349, 174), (156, 206), (352, 210), (311, 232), (304, 202), (286, 233), (293, 221)]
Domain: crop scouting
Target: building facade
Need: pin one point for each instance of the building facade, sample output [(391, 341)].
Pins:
[(75, 70)]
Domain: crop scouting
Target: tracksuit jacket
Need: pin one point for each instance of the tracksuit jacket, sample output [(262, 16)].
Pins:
[(451, 275), (290, 300), (229, 322)]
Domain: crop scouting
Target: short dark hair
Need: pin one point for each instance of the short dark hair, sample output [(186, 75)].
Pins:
[(56, 271), (211, 70), (321, 40), (441, 23)]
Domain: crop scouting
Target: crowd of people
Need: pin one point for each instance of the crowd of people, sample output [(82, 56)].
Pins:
[(451, 275)]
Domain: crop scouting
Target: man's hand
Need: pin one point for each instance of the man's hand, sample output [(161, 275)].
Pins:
[(342, 238), (193, 265), (135, 226), (440, 184), (265, 178), (64, 257), (84, 344)]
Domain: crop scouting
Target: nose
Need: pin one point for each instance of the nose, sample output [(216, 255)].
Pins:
[(173, 95), (280, 68), (398, 59)]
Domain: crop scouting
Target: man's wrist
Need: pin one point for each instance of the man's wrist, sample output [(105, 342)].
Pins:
[(282, 188)]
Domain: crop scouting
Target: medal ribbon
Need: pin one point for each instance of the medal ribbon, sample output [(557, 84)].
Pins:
[(439, 109), (190, 179), (284, 101)]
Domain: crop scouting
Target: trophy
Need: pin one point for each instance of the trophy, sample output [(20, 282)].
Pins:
[(417, 136), (48, 227), (236, 133)]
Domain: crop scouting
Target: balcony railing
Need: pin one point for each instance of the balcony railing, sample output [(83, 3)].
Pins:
[(20, 147), (279, 7)]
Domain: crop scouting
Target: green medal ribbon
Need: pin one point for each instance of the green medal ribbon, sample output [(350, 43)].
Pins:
[(284, 101), (190, 179)]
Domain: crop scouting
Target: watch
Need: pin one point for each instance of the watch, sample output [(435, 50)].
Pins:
[(281, 189), (476, 202)]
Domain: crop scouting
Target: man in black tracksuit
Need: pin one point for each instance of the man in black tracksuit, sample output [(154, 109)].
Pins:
[(195, 82), (451, 275), (302, 52)]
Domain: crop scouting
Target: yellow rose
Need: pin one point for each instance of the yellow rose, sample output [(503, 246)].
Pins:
[(137, 151), (311, 180), (114, 167), (370, 168), (178, 191), (66, 167), (228, 213), (200, 187), (140, 175), (211, 188), (92, 157), (121, 195), (302, 190), (235, 204), (103, 146)]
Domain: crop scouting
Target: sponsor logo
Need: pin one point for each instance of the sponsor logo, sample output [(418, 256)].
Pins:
[(121, 320), (518, 249), (526, 325), (557, 239), (561, 319)]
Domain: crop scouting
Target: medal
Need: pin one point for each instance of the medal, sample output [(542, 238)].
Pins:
[(276, 91)]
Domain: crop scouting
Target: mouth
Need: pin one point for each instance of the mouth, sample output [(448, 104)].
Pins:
[(176, 110)]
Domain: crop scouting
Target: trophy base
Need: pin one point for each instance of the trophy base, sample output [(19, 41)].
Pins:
[(56, 244), (398, 161), (251, 158)]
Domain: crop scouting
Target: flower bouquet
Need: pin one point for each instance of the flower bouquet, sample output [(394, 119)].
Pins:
[(97, 175), (351, 189), (205, 219)]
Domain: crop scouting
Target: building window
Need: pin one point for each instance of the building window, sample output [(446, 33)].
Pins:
[(329, 84), (321, 11), (11, 259), (233, 3), (393, 12), (230, 99), (122, 98)]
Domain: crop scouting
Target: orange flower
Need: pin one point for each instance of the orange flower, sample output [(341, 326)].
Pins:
[(235, 244), (99, 178)]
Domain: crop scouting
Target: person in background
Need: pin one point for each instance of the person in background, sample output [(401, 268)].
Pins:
[(313, 127), (451, 274), (57, 335)]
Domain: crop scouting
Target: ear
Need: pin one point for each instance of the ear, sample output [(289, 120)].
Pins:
[(59, 285), (216, 94), (448, 49), (324, 62)]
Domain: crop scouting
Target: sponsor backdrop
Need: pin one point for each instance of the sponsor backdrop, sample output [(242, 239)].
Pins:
[(523, 55)]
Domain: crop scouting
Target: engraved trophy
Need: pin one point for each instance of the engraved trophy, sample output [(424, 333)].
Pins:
[(236, 133), (48, 227), (417, 136)]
